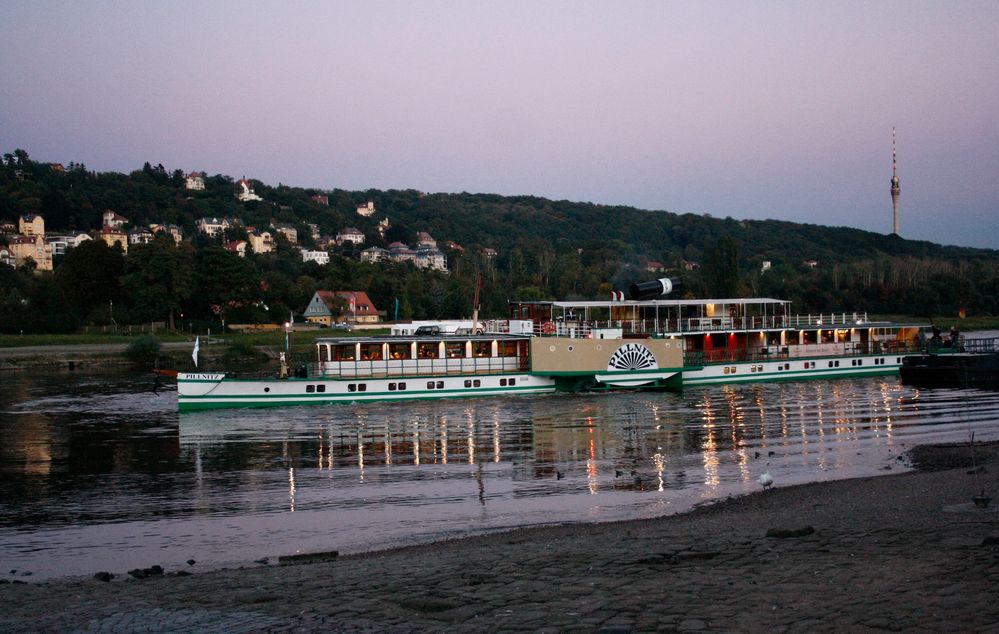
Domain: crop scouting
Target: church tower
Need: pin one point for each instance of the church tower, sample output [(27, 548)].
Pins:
[(895, 189)]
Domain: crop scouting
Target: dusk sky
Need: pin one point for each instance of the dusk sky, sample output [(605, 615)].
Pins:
[(755, 110)]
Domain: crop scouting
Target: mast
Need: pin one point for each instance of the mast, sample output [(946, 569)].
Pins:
[(895, 189)]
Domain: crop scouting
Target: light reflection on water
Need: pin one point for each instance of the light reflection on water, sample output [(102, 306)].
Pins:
[(100, 473)]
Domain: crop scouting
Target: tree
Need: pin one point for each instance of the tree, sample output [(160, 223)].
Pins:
[(224, 283), (721, 267), (159, 277), (90, 276)]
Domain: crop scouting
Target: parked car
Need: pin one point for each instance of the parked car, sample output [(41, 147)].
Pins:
[(342, 326)]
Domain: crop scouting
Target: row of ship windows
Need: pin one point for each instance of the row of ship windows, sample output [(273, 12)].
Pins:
[(809, 365), (393, 387)]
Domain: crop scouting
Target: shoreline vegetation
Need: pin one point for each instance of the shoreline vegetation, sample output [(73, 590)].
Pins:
[(18, 352), (276, 335), (908, 551)]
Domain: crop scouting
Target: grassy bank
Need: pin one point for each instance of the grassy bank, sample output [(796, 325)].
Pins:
[(274, 338)]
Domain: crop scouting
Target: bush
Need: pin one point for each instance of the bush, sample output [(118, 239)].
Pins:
[(144, 350), (242, 350)]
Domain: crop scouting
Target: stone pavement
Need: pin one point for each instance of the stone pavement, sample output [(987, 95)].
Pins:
[(907, 552)]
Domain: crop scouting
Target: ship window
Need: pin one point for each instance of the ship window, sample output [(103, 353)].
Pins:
[(267, 389), (391, 387), (455, 349), (468, 382), (860, 362), (363, 387), (371, 351), (440, 385), (310, 388), (898, 359), (830, 364), (427, 350), (481, 348), (512, 382), (507, 348), (402, 386), (343, 352), (320, 388), (502, 382), (476, 383), (351, 387), (400, 351), (430, 385)]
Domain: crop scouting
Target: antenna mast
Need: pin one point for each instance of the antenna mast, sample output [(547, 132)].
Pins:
[(895, 189)]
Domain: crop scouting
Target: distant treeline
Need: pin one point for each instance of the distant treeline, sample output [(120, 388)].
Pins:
[(544, 249)]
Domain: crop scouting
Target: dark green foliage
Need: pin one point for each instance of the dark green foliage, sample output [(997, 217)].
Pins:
[(144, 350), (545, 249)]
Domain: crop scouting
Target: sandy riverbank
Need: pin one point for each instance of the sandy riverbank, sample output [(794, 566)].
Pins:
[(906, 552)]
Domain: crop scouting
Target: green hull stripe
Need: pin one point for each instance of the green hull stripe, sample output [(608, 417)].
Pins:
[(190, 403), (791, 376)]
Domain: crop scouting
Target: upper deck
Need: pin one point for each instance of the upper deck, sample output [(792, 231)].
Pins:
[(420, 355), (674, 317)]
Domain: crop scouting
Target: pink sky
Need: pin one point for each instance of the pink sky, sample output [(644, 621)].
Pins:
[(745, 109)]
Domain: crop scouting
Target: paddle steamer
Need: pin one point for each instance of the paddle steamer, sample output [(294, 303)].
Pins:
[(547, 346)]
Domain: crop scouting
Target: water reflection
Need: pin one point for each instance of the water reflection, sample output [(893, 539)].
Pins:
[(99, 469)]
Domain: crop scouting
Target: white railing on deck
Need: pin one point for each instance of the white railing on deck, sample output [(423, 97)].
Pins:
[(418, 367), (584, 329)]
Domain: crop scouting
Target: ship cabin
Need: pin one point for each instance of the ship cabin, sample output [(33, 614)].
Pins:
[(348, 357), (719, 330)]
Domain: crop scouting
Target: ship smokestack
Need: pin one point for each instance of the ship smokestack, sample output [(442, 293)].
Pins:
[(655, 288)]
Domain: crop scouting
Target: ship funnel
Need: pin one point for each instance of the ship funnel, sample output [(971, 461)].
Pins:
[(655, 288)]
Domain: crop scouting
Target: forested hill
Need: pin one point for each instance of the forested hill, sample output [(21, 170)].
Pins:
[(544, 248)]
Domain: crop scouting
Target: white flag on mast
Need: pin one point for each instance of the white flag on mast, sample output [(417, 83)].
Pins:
[(197, 346)]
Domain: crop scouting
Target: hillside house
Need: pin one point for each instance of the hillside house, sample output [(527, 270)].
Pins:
[(6, 257), (327, 307), (237, 246), (374, 254), (31, 225), (195, 181), (430, 258), (173, 231), (400, 252), (366, 210), (319, 199), (34, 247), (262, 242), (113, 220), (350, 234), (289, 231), (246, 193), (60, 244), (112, 236), (213, 226), (322, 258), (139, 235), (424, 239)]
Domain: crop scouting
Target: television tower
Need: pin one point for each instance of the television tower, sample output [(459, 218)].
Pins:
[(895, 189)]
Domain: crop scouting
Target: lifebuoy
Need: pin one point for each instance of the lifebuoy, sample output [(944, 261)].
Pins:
[(548, 328)]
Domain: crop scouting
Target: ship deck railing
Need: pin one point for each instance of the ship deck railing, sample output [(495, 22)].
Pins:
[(977, 345), (697, 358), (578, 328), (376, 368)]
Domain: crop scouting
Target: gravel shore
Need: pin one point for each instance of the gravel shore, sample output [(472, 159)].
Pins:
[(906, 552)]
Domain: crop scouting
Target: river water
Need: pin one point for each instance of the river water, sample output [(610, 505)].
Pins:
[(100, 473)]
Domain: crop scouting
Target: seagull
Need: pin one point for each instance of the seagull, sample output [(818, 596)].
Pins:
[(766, 480)]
